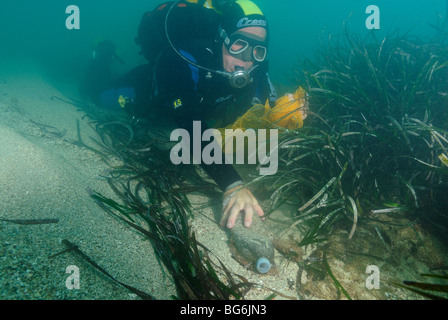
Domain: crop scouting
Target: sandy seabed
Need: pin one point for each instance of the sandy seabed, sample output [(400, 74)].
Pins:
[(43, 176)]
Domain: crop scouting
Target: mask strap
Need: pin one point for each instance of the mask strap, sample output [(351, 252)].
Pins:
[(224, 36)]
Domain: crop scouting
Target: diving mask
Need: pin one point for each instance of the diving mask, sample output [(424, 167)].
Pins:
[(246, 47)]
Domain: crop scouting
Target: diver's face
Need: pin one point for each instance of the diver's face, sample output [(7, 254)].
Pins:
[(231, 63)]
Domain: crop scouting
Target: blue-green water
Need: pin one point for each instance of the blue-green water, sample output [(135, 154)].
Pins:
[(37, 28)]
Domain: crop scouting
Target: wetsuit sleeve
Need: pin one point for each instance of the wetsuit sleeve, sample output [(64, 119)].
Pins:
[(179, 82), (264, 89)]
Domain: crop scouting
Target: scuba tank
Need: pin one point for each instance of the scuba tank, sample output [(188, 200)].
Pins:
[(190, 22)]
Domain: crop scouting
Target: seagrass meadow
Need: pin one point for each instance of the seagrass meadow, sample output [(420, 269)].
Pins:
[(373, 156), (356, 210), (364, 182)]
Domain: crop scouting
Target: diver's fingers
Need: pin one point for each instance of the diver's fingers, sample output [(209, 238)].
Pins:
[(234, 214), (226, 210), (259, 210), (248, 214), (224, 217)]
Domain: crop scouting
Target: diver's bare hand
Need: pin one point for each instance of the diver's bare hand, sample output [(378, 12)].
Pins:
[(236, 200)]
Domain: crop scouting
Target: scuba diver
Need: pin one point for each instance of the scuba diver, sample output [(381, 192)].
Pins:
[(207, 62), (98, 77)]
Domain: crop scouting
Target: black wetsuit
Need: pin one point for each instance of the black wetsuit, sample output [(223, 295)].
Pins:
[(172, 87), (187, 93)]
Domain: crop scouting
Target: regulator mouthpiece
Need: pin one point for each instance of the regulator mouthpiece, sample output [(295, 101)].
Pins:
[(239, 79)]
